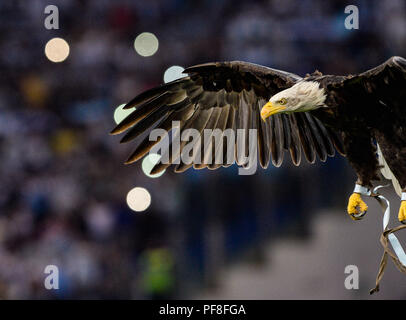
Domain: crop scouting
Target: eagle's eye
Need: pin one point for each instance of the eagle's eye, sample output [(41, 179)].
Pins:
[(282, 101)]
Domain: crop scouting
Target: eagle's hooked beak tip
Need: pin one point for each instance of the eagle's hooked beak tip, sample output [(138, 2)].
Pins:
[(269, 109)]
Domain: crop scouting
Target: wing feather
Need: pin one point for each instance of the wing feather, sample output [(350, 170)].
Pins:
[(225, 96), (294, 148), (205, 146), (316, 137), (305, 137)]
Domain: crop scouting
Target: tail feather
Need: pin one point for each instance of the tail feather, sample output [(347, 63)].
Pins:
[(387, 173)]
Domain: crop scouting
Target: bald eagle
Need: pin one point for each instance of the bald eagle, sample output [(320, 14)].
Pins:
[(362, 116)]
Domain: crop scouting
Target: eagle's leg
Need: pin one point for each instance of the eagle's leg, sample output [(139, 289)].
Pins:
[(361, 154), (402, 209), (357, 208)]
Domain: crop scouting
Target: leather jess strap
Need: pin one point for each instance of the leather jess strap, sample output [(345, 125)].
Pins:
[(398, 255)]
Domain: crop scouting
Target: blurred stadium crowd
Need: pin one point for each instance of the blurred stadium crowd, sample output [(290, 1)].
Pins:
[(63, 182)]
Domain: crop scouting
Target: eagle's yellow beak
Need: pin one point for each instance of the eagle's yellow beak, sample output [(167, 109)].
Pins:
[(269, 109)]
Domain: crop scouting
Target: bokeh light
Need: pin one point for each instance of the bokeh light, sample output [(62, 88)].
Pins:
[(149, 162), (146, 44), (173, 73), (120, 114), (138, 199), (57, 50)]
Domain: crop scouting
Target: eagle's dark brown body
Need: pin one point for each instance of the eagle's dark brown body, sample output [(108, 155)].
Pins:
[(370, 109), (360, 110)]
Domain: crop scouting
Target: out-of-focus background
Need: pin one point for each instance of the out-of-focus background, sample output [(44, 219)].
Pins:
[(281, 233)]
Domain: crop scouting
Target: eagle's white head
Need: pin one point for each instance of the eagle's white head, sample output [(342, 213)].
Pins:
[(303, 96)]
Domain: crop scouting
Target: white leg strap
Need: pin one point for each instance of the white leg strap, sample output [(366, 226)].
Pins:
[(397, 247), (362, 190), (403, 198)]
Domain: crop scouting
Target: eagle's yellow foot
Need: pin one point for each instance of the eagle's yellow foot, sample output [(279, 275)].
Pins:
[(357, 208), (402, 212)]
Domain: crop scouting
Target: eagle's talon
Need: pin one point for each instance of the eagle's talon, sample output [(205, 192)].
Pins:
[(358, 216), (402, 212), (357, 208)]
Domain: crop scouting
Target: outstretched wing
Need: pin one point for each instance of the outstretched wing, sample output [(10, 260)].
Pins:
[(226, 95), (387, 83), (384, 84)]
